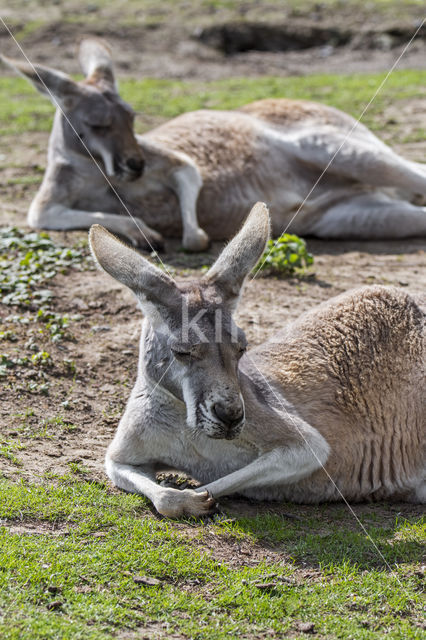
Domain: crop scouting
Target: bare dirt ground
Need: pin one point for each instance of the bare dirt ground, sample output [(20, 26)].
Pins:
[(89, 394), (198, 40)]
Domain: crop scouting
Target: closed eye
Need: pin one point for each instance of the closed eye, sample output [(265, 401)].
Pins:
[(99, 129), (181, 352)]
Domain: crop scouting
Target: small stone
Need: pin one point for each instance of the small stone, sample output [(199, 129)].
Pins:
[(100, 328), (147, 580), (266, 586), (79, 304), (305, 627)]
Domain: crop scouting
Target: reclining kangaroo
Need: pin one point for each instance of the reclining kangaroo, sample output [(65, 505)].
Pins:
[(204, 170), (333, 406)]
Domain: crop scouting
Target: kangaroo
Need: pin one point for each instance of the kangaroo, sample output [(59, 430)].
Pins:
[(202, 171), (332, 407)]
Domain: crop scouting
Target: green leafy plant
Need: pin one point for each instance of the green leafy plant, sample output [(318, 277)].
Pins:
[(7, 362), (286, 255), (28, 260)]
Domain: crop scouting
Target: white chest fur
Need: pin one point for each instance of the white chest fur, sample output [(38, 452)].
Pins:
[(163, 430)]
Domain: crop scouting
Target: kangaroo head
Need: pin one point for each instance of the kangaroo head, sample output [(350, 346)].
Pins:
[(93, 118), (190, 343)]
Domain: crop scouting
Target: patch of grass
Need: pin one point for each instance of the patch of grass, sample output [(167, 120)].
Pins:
[(95, 578), (33, 427), (28, 28), (8, 449), (23, 180), (351, 93), (78, 469), (23, 109), (320, 538), (419, 135)]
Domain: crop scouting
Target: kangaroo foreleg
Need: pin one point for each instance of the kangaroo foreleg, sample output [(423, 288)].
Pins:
[(281, 466), (58, 217), (187, 183), (168, 501)]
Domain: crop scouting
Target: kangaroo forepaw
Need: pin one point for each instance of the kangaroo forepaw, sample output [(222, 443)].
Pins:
[(142, 239), (174, 503), (197, 240)]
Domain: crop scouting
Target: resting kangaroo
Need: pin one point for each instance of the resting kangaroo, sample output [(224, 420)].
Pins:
[(333, 406), (203, 170)]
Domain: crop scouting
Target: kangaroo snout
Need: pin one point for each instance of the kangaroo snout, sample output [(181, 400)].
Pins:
[(129, 168), (230, 416)]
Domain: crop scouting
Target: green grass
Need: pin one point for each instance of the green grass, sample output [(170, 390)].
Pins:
[(80, 583), (22, 109), (8, 451)]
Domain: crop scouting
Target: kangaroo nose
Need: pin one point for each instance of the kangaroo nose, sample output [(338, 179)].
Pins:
[(229, 415), (135, 164)]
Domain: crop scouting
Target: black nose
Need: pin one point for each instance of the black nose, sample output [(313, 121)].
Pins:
[(135, 164), (229, 415)]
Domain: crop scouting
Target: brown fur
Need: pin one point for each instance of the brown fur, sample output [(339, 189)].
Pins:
[(360, 361), (285, 112)]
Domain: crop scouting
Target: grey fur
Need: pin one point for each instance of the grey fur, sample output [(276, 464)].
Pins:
[(332, 407)]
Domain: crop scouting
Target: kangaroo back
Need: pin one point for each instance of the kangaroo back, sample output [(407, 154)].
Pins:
[(355, 369)]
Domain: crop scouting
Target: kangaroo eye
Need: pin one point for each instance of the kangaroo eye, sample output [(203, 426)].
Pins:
[(181, 351), (99, 129)]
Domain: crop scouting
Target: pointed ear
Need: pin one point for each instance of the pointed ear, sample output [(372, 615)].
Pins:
[(57, 86), (155, 290), (240, 256), (95, 60)]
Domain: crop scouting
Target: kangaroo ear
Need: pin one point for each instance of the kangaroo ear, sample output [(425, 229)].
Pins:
[(154, 289), (95, 60), (240, 256), (57, 86)]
